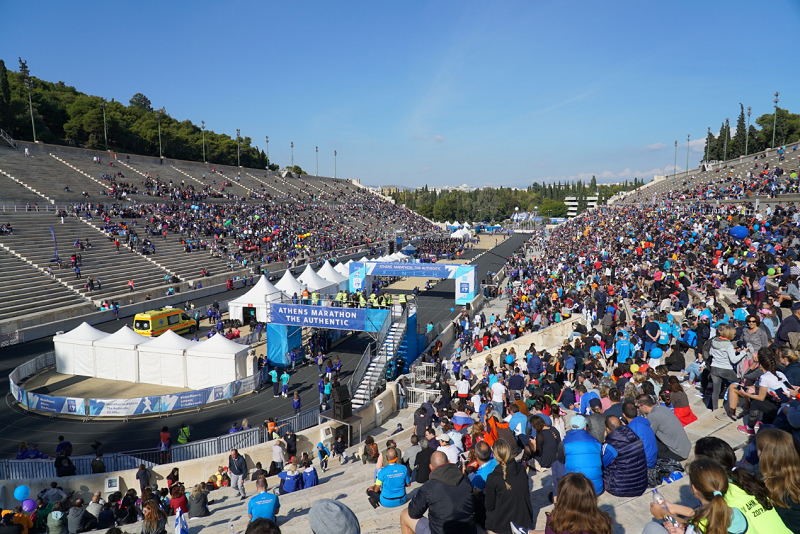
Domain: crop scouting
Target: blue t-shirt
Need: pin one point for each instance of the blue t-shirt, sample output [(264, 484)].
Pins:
[(264, 505), (393, 479), (478, 478), (518, 424)]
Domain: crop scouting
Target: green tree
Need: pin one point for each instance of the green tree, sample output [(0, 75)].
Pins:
[(5, 97), (142, 102), (736, 144)]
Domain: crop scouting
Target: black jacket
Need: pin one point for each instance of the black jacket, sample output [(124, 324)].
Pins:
[(423, 464), (504, 505), (447, 497)]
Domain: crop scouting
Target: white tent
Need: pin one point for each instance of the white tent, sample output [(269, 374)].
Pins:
[(74, 352), (344, 268), (398, 256), (447, 223), (315, 282), (329, 273), (289, 285), (363, 259), (214, 362), (162, 360), (258, 297), (116, 357)]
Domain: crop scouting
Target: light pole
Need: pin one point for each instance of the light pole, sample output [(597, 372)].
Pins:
[(203, 128), (708, 142), (316, 153), (747, 130), (105, 127), (266, 138), (291, 145), (775, 118), (334, 163), (689, 136), (160, 152), (675, 168), (238, 148), (725, 149), (26, 80)]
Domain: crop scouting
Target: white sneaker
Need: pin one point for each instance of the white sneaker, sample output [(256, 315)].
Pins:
[(517, 529)]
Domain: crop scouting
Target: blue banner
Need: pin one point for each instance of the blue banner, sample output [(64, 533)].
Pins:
[(60, 405), (361, 319), (124, 407)]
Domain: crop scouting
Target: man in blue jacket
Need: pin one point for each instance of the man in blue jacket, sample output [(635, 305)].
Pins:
[(641, 427), (579, 452), (624, 463)]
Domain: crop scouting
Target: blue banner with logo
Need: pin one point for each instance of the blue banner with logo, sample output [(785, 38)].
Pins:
[(60, 405), (124, 407), (360, 319)]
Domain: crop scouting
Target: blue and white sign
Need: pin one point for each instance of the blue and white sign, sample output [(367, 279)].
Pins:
[(61, 405), (466, 276), (190, 399), (124, 407), (361, 319)]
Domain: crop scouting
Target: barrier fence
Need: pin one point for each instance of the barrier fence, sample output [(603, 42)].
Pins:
[(45, 469), (142, 406)]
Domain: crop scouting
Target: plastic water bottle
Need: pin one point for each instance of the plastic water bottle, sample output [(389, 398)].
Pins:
[(661, 501)]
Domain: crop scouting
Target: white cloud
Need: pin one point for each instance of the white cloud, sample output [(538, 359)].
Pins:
[(655, 146), (438, 138)]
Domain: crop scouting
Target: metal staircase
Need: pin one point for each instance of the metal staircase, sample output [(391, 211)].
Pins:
[(5, 136), (373, 377)]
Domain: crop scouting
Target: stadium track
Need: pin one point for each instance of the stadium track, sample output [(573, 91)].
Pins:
[(17, 425)]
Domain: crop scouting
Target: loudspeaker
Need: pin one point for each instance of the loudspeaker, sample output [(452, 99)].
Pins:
[(391, 246), (342, 410), (340, 394)]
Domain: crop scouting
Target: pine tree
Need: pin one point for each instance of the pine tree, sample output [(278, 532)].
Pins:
[(736, 144)]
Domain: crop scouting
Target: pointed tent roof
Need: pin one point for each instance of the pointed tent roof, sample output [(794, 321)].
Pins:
[(330, 274), (343, 269), (289, 285), (312, 280), (169, 340), (363, 259), (83, 332), (123, 336), (263, 291), (219, 345)]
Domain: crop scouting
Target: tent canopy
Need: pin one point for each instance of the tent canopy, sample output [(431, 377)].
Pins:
[(327, 272), (167, 342), (162, 360), (258, 297), (315, 282), (214, 362), (289, 285), (82, 332)]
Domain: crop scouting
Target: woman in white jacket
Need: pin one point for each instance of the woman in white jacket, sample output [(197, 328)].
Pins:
[(723, 361)]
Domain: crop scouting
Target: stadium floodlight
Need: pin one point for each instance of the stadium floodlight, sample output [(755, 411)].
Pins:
[(775, 101), (291, 145), (334, 163), (105, 127), (238, 147), (675, 165), (28, 83), (688, 137), (708, 139), (203, 128), (747, 130), (266, 138), (316, 152), (159, 115)]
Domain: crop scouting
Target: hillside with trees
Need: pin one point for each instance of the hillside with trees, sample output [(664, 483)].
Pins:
[(497, 204), (63, 115)]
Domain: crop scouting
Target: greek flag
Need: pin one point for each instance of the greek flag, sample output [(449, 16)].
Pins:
[(181, 525)]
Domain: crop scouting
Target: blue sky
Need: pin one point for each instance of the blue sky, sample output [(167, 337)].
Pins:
[(440, 92)]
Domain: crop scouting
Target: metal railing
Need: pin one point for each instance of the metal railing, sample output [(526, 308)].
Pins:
[(424, 372), (361, 369), (387, 352), (416, 396)]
